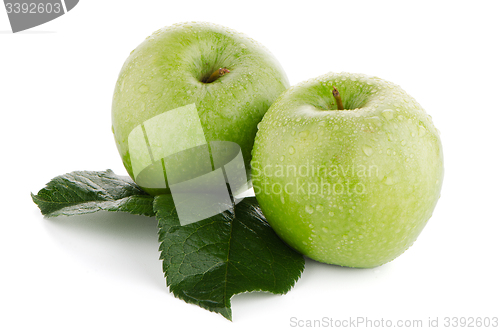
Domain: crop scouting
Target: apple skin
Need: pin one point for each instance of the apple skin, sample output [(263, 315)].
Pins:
[(366, 217), (167, 70)]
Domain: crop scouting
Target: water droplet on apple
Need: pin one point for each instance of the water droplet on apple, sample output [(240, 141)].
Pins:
[(389, 181), (143, 88), (388, 114), (331, 213), (282, 199), (282, 158), (367, 150), (309, 209), (304, 134), (421, 131), (403, 142), (291, 150), (325, 230), (375, 120), (320, 208)]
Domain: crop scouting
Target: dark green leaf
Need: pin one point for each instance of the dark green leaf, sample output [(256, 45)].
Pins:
[(208, 262), (83, 192)]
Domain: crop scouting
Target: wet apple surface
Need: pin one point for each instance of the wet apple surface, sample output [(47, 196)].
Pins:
[(229, 78), (352, 186)]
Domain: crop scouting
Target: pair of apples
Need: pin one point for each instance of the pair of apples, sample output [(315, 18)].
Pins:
[(347, 168)]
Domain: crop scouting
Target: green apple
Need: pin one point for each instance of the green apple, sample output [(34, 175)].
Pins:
[(229, 78), (350, 185)]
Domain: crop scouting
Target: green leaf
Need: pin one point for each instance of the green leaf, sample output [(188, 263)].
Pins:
[(209, 261), (83, 192)]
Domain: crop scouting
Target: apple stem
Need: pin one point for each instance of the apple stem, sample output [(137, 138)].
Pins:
[(216, 74), (338, 100)]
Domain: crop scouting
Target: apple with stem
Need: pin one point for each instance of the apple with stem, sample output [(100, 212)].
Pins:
[(347, 169), (229, 78)]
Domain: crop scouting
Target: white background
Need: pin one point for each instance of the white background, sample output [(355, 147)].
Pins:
[(101, 272)]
